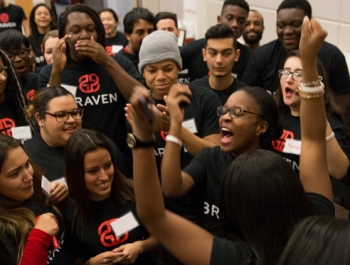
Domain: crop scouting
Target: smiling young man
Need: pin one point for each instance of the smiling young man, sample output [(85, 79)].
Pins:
[(101, 84), (138, 23), (254, 30), (234, 14), (167, 21), (221, 53), (263, 66)]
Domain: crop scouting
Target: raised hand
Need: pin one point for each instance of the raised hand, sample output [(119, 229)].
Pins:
[(59, 54), (312, 38)]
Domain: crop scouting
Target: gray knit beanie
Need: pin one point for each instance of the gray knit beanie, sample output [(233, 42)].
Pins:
[(159, 46)]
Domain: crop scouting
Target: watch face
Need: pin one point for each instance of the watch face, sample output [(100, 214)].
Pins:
[(130, 140)]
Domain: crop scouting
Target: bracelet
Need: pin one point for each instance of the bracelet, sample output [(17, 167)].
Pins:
[(330, 137), (312, 89), (307, 95), (173, 139), (312, 83)]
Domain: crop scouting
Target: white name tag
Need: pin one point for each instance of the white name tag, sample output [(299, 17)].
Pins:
[(124, 224), (116, 48), (190, 125), (292, 146), (71, 89), (46, 185), (61, 180), (21, 133)]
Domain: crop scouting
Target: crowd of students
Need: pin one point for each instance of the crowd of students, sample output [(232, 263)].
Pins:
[(108, 157)]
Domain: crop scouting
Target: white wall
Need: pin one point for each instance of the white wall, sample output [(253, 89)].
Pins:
[(334, 15)]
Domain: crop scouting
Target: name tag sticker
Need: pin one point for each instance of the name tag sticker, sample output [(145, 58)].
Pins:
[(46, 185), (21, 133), (116, 48), (292, 146), (71, 89), (61, 180), (190, 125), (124, 224)]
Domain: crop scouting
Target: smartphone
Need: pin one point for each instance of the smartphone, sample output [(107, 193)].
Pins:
[(146, 110)]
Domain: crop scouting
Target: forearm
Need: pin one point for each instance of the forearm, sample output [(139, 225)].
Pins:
[(150, 204), (195, 144), (171, 165), (149, 244), (122, 79), (337, 161), (55, 77)]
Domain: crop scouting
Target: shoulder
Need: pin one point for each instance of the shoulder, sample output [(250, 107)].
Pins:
[(245, 51), (230, 252), (200, 82), (328, 47), (193, 46), (268, 48), (320, 205)]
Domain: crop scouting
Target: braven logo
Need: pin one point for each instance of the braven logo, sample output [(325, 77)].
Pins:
[(89, 83), (5, 126), (4, 18), (31, 94), (163, 134), (107, 237), (109, 50), (278, 145)]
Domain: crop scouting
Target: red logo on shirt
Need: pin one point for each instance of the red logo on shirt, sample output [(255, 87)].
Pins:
[(109, 50), (4, 18), (107, 237), (5, 126), (89, 83), (31, 94), (278, 145), (163, 134)]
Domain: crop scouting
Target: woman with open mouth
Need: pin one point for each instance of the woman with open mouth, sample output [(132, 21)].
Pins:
[(289, 144), (17, 47)]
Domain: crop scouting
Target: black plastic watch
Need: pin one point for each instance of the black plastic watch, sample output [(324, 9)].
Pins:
[(134, 142)]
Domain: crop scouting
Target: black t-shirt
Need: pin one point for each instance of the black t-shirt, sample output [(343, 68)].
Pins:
[(98, 94), (59, 255), (9, 117), (263, 66), (119, 41), (224, 94), (192, 59), (134, 58), (289, 144), (200, 118), (30, 86), (50, 158), (239, 252), (97, 234), (207, 170), (36, 43), (11, 17)]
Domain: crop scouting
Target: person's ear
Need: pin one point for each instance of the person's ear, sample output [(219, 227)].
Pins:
[(218, 19), (237, 54), (262, 128), (39, 119), (204, 53)]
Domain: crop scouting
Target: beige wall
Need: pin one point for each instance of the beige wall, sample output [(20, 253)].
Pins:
[(334, 15)]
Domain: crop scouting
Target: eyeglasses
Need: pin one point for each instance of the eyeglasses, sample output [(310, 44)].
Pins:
[(235, 112), (285, 73), (2, 68), (21, 53), (63, 116)]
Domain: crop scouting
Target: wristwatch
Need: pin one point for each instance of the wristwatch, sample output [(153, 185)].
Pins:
[(134, 142)]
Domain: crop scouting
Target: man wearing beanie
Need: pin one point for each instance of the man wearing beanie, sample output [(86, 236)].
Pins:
[(160, 64)]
